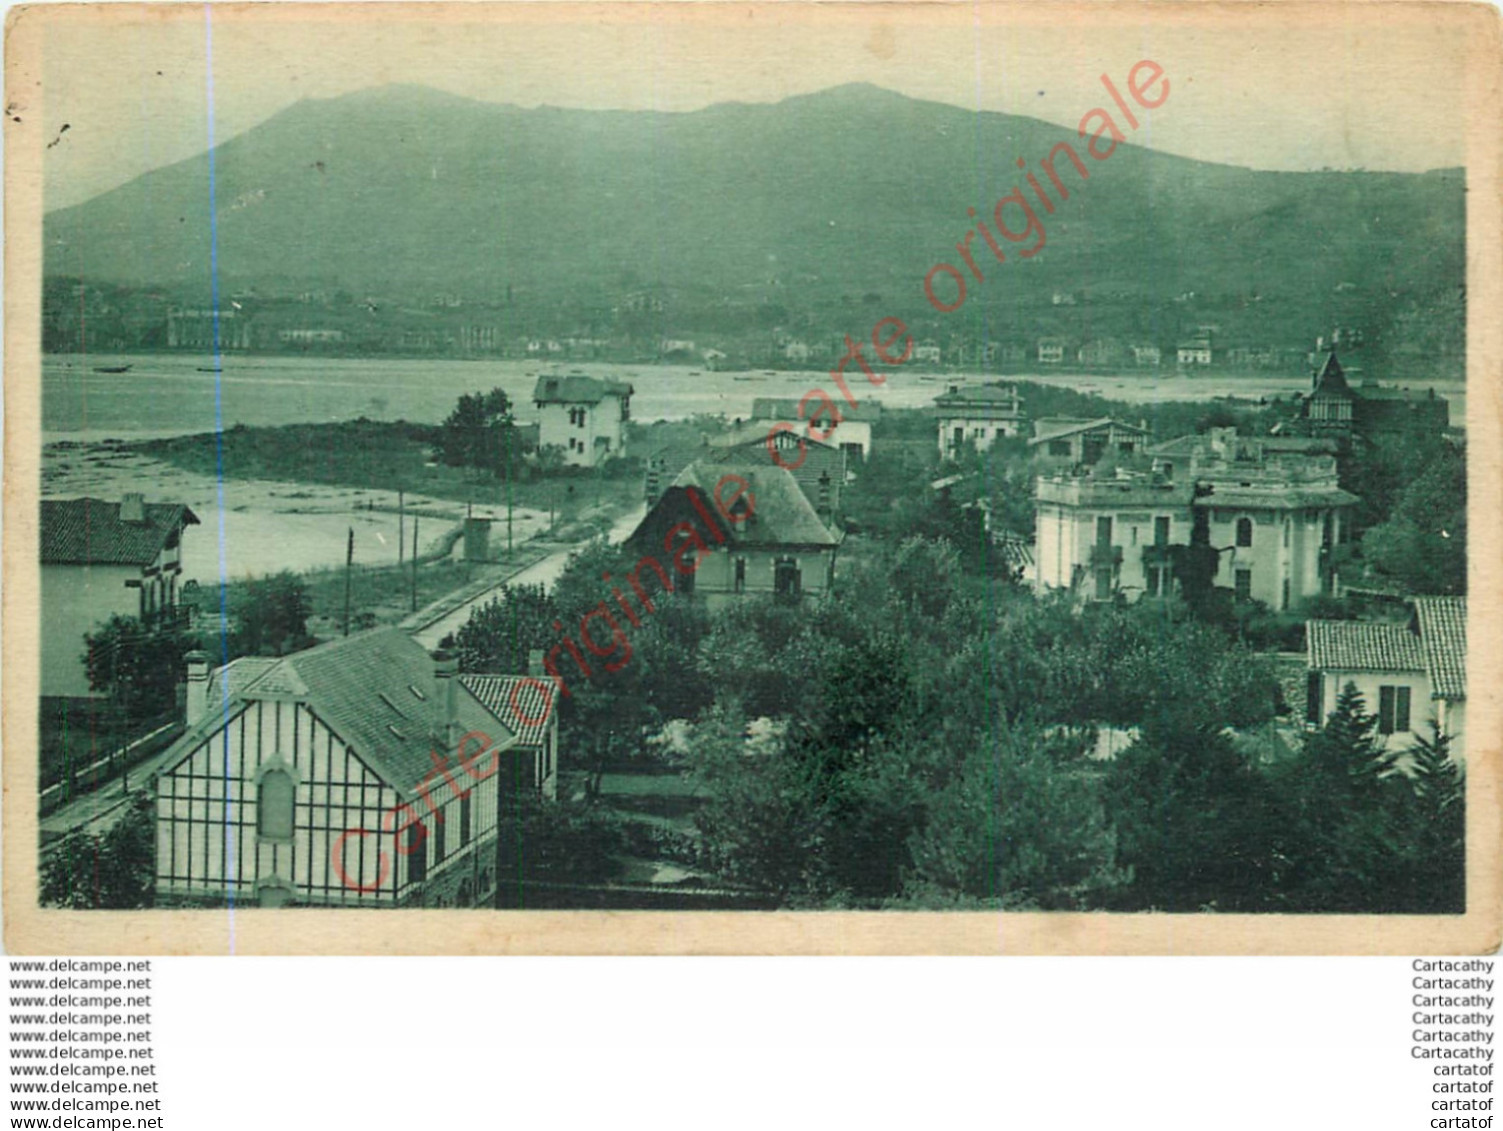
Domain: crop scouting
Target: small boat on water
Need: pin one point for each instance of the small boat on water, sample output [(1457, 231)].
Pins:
[(748, 378), (210, 369), (112, 369)]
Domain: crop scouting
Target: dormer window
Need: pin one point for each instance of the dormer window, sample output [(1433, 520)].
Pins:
[(417, 692)]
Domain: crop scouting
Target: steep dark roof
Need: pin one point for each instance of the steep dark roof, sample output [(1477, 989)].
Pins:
[(786, 409), (1356, 646), (578, 389), (781, 513), (1442, 626), (377, 691), (90, 532), (1331, 380)]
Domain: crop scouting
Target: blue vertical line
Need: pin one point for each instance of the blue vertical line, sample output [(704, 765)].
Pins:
[(224, 635)]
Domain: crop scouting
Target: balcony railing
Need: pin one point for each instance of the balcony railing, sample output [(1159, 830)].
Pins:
[(1104, 555)]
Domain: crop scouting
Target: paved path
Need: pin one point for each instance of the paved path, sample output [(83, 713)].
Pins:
[(428, 630)]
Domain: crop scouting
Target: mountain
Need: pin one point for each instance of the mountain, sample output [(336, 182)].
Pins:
[(851, 190)]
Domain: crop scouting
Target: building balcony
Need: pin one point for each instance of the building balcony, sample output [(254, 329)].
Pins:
[(1104, 555)]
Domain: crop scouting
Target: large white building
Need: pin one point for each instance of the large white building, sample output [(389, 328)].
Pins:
[(979, 415), (584, 418), (1273, 521)]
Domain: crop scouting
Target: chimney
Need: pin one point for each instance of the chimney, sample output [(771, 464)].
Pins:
[(654, 481), (133, 508), (446, 676), (824, 493), (196, 701)]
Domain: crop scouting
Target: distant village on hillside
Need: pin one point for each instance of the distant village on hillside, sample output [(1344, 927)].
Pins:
[(1070, 331), (1024, 649)]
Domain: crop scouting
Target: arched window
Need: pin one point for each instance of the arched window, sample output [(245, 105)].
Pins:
[(1244, 532), (274, 806), (464, 898)]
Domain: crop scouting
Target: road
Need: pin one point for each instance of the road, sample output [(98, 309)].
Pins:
[(545, 572)]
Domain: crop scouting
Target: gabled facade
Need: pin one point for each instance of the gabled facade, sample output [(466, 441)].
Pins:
[(1410, 675), (1334, 407), (99, 559), (979, 415), (583, 418), (1070, 440), (852, 432), (724, 530), (362, 772)]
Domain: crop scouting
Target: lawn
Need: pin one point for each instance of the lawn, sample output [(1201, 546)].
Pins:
[(386, 456)]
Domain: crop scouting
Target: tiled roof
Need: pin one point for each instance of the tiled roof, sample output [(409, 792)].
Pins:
[(90, 532), (377, 691), (1442, 626), (786, 409), (533, 710), (1357, 646), (578, 389)]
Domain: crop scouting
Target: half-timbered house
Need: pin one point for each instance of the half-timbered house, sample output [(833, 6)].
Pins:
[(363, 772)]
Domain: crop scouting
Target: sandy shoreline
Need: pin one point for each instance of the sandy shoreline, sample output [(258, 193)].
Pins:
[(257, 526)]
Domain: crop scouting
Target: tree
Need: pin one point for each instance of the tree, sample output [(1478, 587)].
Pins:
[(138, 665), (1342, 833), (479, 433), (1435, 840), (1422, 544), (1017, 827), (271, 616), (115, 870), (500, 634)]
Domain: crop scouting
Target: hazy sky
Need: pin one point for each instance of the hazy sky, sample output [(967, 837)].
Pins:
[(1288, 88)]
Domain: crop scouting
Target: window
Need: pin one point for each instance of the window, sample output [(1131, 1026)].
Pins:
[(1161, 530), (1244, 585), (440, 836), (740, 575), (274, 806), (464, 820), (417, 852), (1314, 685), (786, 578), (1393, 709), (1059, 447), (1104, 530), (1103, 584), (1244, 532), (1285, 603), (1155, 581), (1127, 446)]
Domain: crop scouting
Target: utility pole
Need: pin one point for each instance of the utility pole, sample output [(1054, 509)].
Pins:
[(414, 561), (401, 526), (349, 563)]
